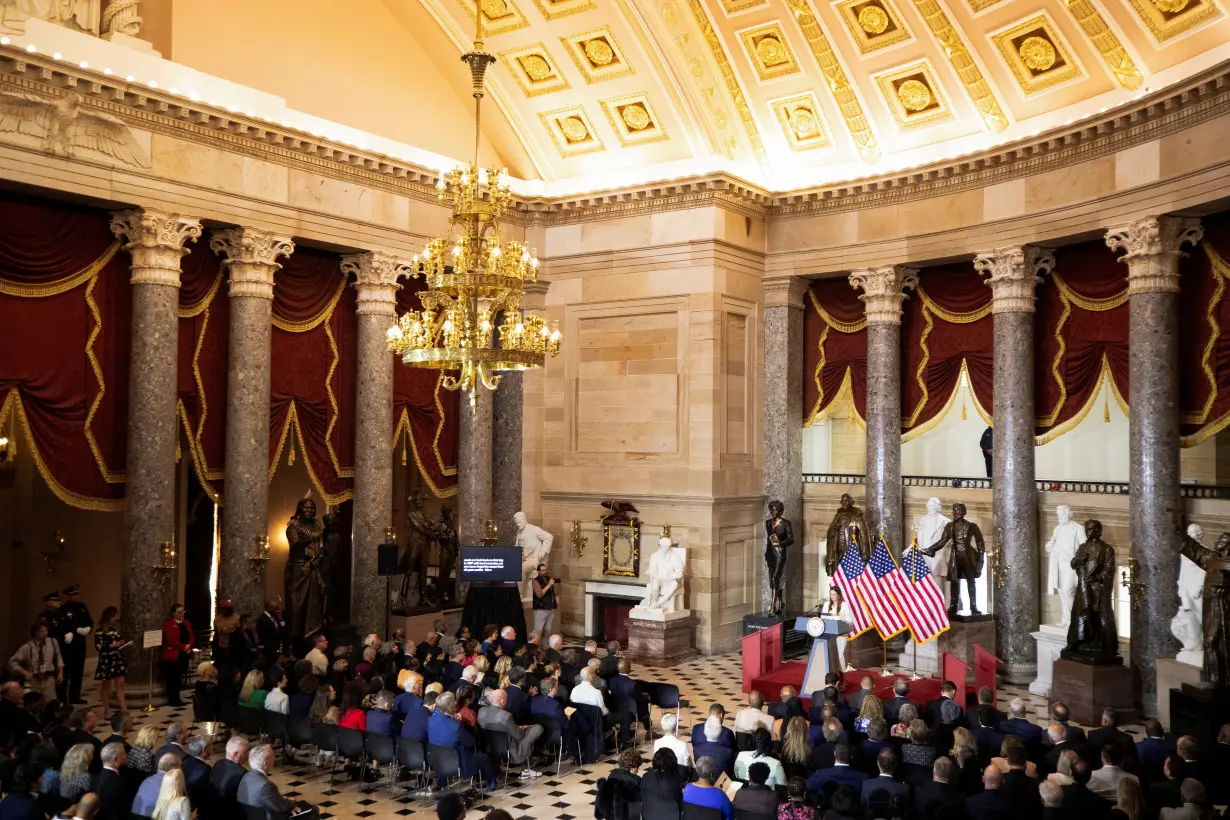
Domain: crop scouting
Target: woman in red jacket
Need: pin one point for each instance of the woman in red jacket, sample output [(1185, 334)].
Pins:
[(177, 641)]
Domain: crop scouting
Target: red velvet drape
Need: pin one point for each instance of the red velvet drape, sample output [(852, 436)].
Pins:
[(424, 413), (64, 340), (835, 349), (312, 371), (946, 327), (1081, 333), (1204, 334), (204, 334)]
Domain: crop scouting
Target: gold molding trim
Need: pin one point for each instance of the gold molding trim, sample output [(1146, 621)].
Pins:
[(720, 141), (801, 121), (572, 131), (1117, 60), (633, 119), (718, 50), (733, 7), (913, 95), (1055, 63), (963, 64), (597, 55), (843, 92), (769, 52), (864, 17), (555, 9), (1167, 25), (526, 61), (511, 20)]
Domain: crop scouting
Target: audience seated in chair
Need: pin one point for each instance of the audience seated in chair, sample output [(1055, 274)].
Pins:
[(762, 752), (757, 796), (885, 780), (147, 795), (702, 792), (619, 793), (258, 792), (668, 740)]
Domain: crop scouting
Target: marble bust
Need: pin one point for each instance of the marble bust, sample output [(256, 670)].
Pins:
[(665, 591), (1187, 624), (927, 530), (1060, 550), (535, 544)]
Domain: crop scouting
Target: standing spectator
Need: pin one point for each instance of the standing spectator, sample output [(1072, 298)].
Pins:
[(702, 792), (39, 662), (111, 669), (177, 642), (269, 631), (985, 444), (544, 600), (78, 620)]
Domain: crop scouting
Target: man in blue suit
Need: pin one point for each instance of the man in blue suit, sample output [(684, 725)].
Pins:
[(1153, 751), (993, 802), (518, 698), (1019, 724), (415, 723), (841, 773), (727, 737), (986, 735), (886, 762), (546, 705), (443, 729), (409, 700)]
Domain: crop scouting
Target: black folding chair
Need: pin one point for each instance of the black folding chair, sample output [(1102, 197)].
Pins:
[(624, 704), (251, 720), (691, 811), (298, 734), (324, 738), (351, 748), (552, 736), (381, 752), (277, 727), (253, 813), (663, 696), (411, 755), (445, 764), (228, 713), (497, 747), (746, 741)]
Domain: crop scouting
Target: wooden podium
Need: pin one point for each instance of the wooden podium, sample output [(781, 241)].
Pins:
[(954, 669), (985, 664), (762, 653)]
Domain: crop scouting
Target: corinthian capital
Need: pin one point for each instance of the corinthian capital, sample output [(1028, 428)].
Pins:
[(251, 258), (1013, 274), (883, 291), (155, 239), (1152, 249), (375, 279)]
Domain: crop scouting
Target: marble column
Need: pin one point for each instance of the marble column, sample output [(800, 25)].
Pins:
[(474, 450), (1013, 273), (783, 427), (1152, 252), (883, 291), (376, 276), (155, 240), (251, 259)]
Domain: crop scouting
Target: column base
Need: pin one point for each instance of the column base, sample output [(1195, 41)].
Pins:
[(1019, 674), (1050, 640), (661, 643)]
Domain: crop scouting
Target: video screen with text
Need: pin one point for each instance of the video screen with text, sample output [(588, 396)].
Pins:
[(490, 564)]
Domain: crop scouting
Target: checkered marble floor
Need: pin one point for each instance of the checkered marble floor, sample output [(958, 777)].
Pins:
[(706, 680)]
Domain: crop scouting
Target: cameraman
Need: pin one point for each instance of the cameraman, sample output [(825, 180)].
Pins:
[(544, 601)]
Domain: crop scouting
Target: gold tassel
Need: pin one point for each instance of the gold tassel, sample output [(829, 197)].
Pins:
[(963, 415), (1106, 405), (178, 452), (404, 447), (290, 457)]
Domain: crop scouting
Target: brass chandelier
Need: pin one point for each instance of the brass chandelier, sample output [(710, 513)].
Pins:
[(472, 321)]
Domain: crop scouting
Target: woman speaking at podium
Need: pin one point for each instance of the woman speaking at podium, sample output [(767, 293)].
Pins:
[(835, 609)]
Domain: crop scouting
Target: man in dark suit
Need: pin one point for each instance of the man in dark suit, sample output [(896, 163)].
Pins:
[(518, 698), (508, 641), (986, 735), (175, 737), (1018, 785), (931, 712), (993, 802), (886, 762), (824, 754), (414, 721), (1108, 732), (258, 792), (610, 664), (1057, 734), (901, 691), (82, 724), (1194, 767), (1076, 735), (228, 772), (430, 649), (826, 697), (555, 645), (1019, 724), (453, 669), (121, 725), (1166, 793), (987, 698), (623, 686), (197, 771), (939, 793), (590, 650), (727, 737), (547, 705), (866, 688), (1219, 794), (840, 773), (1153, 751), (114, 790), (1079, 803), (1051, 795), (13, 716), (269, 632)]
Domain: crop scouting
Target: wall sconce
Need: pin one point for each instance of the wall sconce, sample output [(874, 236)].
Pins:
[(260, 555), (578, 541), (390, 535), (53, 552), (4, 449), (492, 538), (166, 556), (1136, 589)]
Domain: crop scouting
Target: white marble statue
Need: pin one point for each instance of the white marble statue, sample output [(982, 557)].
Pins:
[(1060, 577), (928, 530), (665, 578), (82, 15), (535, 544), (1186, 625)]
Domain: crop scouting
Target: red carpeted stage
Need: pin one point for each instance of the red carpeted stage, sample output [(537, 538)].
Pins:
[(791, 674)]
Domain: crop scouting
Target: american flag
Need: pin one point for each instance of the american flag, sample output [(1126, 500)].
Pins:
[(918, 596), (848, 572), (876, 594)]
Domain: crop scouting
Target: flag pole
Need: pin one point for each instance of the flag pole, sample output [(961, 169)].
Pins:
[(913, 578), (884, 673)]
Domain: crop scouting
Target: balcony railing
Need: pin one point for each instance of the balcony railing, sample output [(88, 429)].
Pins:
[(1043, 485)]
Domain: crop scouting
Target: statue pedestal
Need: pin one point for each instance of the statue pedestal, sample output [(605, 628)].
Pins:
[(660, 639), (1088, 688), (965, 631), (1198, 710), (1051, 639), (1172, 674)]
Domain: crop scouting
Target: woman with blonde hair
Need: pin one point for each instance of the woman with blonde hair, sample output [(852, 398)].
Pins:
[(1129, 800), (795, 754), (964, 753), (1063, 769), (253, 693), (501, 669), (869, 711), (75, 771), (173, 789), (1001, 762), (141, 755)]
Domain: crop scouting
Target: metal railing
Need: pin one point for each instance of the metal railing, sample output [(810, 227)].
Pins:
[(1043, 485)]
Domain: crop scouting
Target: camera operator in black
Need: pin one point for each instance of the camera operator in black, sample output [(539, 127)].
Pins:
[(544, 602)]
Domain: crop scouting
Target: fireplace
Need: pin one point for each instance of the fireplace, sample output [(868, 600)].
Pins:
[(607, 604)]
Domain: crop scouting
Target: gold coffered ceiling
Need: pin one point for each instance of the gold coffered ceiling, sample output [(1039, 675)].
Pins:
[(797, 92)]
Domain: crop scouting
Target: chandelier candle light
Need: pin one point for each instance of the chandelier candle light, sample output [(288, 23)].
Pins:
[(475, 281)]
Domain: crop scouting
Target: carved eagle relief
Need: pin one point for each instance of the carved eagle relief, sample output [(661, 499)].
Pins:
[(65, 126)]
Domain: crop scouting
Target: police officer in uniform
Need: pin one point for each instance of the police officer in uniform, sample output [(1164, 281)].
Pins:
[(60, 628), (82, 624)]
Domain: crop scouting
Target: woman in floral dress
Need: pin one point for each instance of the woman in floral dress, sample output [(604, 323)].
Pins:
[(111, 669)]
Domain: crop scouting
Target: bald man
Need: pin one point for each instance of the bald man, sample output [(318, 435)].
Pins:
[(993, 803)]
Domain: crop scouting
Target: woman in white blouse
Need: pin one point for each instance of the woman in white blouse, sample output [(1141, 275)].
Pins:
[(277, 700), (763, 753)]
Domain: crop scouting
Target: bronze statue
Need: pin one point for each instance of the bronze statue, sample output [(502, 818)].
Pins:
[(1092, 632), (779, 536), (420, 532), (305, 591), (1216, 616), (848, 527), (446, 537), (964, 559)]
